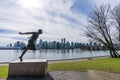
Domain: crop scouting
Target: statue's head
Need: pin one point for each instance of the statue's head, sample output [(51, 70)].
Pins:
[(40, 31)]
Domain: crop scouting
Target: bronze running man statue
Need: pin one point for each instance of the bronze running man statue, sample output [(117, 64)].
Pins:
[(31, 42)]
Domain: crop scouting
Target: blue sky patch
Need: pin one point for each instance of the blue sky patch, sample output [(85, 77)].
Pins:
[(7, 31), (82, 6)]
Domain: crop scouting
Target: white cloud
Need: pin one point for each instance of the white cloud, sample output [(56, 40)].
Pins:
[(53, 16), (36, 17)]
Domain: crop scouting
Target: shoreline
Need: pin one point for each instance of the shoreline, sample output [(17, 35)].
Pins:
[(77, 59), (65, 60)]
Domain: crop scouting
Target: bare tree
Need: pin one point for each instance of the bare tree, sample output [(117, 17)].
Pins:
[(99, 28), (115, 15)]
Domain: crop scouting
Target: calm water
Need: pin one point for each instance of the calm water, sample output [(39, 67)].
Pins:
[(11, 55)]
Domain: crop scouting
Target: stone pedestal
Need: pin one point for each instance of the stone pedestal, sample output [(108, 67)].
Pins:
[(35, 68)]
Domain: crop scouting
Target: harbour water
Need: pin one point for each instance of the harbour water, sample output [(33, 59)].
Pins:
[(11, 55)]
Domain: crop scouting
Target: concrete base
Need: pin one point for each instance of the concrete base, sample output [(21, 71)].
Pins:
[(35, 67)]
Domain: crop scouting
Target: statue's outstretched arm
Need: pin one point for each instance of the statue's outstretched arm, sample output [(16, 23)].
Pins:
[(27, 33)]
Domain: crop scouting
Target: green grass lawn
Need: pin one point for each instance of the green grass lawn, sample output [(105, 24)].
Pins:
[(105, 64), (3, 71)]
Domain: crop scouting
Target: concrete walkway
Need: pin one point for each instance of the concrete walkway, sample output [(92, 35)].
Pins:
[(102, 75), (72, 75)]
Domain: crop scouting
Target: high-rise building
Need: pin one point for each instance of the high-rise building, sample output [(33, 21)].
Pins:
[(40, 44), (68, 45), (19, 44), (64, 43)]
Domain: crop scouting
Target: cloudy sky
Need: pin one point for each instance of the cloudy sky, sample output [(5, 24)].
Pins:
[(58, 18)]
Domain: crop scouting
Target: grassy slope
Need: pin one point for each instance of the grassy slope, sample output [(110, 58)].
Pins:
[(106, 64)]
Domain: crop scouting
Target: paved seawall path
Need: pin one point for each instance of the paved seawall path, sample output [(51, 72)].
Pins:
[(71, 75), (63, 60)]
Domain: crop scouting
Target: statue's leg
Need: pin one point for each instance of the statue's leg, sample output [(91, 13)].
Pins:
[(23, 54)]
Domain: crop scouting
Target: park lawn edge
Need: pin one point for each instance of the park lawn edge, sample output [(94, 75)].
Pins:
[(102, 64)]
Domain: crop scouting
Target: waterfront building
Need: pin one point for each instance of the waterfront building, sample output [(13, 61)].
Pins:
[(45, 45), (22, 45), (40, 44), (19, 44), (72, 45), (67, 45), (58, 45), (61, 44), (64, 40), (10, 45)]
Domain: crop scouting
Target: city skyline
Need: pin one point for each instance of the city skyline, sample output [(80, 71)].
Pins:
[(57, 18), (63, 44)]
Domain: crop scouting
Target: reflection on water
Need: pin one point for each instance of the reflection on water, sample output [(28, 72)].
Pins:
[(11, 55)]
